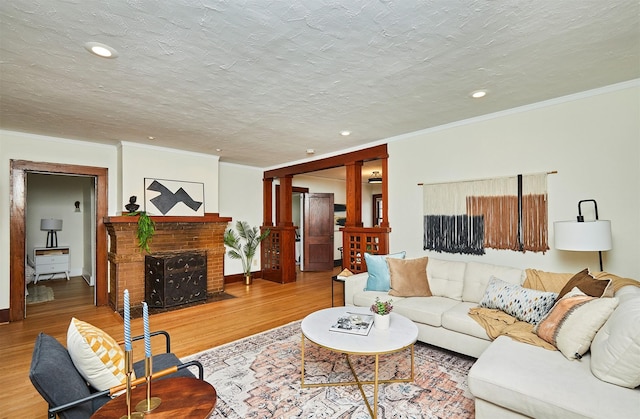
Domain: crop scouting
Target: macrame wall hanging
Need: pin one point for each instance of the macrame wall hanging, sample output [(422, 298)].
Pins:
[(502, 213)]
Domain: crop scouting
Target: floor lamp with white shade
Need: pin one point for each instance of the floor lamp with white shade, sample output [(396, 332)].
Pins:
[(583, 236)]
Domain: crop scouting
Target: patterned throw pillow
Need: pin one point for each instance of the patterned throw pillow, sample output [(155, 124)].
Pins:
[(379, 277), (574, 321), (96, 355), (522, 303)]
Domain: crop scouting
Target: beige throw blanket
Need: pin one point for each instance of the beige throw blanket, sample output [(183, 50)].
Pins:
[(497, 322)]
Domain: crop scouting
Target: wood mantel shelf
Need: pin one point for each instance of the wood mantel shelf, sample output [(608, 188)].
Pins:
[(209, 217)]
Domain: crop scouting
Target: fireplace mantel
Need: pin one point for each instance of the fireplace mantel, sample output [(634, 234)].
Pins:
[(207, 218), (173, 233)]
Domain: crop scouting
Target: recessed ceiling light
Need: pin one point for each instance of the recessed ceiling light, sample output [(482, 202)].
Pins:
[(101, 50), (478, 94), (345, 133), (218, 150), (151, 138), (310, 151)]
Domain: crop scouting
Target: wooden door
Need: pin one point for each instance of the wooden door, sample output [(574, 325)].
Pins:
[(318, 232)]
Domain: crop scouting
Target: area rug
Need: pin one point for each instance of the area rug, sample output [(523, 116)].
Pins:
[(39, 294), (259, 377)]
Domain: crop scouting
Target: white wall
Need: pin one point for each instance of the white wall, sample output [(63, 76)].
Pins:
[(591, 139), (138, 162), (240, 198), (88, 208)]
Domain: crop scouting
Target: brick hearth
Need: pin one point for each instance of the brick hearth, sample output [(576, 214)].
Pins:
[(126, 261)]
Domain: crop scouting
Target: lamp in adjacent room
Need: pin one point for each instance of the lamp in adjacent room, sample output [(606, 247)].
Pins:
[(52, 226), (375, 177), (583, 236)]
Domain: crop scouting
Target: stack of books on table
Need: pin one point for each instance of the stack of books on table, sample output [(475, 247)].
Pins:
[(354, 323)]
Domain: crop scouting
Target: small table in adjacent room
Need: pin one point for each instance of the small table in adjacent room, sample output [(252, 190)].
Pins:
[(51, 260), (334, 279), (182, 397), (402, 334)]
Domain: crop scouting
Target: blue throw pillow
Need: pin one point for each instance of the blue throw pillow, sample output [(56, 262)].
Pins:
[(378, 270)]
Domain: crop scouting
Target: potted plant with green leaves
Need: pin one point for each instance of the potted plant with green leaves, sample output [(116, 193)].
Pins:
[(381, 311), (146, 230), (243, 243)]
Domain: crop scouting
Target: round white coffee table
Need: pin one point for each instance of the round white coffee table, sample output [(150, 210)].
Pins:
[(401, 334)]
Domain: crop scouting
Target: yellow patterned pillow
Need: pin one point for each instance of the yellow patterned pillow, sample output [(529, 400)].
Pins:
[(96, 355)]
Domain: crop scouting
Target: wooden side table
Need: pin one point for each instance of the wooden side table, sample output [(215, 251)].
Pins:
[(50, 260), (182, 397)]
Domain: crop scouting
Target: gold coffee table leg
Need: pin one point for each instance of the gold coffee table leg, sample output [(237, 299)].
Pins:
[(373, 411), (359, 384), (302, 358), (375, 388)]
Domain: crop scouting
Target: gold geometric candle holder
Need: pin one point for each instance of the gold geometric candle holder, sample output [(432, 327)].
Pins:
[(128, 360), (150, 403)]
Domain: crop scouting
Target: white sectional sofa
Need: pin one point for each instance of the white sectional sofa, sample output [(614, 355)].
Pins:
[(512, 379)]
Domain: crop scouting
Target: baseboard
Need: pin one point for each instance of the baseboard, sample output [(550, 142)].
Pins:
[(88, 279), (229, 279)]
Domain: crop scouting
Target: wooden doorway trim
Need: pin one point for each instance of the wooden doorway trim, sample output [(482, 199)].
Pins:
[(17, 229)]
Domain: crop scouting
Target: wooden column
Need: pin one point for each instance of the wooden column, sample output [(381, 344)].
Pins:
[(385, 195), (354, 194), (267, 202), (286, 211)]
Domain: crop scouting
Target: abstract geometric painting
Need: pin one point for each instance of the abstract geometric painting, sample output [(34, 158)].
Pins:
[(172, 197)]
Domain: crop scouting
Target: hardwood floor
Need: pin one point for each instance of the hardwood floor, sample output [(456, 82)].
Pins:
[(256, 308)]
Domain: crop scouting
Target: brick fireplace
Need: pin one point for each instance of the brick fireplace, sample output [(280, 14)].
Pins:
[(173, 234)]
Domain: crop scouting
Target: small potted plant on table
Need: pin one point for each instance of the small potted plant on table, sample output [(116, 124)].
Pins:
[(381, 311)]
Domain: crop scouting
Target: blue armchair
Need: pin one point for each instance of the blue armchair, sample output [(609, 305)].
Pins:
[(58, 381)]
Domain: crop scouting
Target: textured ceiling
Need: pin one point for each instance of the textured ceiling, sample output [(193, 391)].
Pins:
[(266, 80)]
